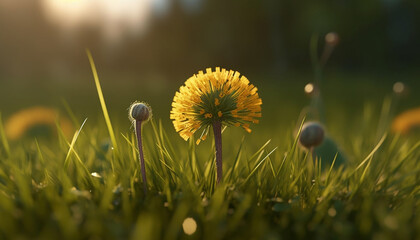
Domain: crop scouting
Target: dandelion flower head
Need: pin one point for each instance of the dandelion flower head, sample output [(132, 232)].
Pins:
[(219, 95), (406, 121)]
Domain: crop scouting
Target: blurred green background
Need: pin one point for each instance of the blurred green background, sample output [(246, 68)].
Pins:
[(145, 49)]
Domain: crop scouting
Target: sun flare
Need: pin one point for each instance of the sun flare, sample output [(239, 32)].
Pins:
[(112, 17)]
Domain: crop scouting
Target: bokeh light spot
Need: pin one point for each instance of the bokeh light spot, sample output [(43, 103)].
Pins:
[(332, 212), (398, 87), (332, 38), (189, 225), (309, 88)]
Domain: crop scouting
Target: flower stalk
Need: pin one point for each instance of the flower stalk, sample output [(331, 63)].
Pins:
[(211, 99), (140, 113), (141, 155), (217, 130)]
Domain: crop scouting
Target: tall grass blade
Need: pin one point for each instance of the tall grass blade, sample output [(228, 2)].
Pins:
[(102, 101), (331, 168)]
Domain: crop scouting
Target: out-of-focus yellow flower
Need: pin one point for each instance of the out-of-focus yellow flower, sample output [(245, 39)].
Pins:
[(215, 96), (406, 120), (21, 122)]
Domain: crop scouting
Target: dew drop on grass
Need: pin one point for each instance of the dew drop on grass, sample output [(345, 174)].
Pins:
[(95, 174)]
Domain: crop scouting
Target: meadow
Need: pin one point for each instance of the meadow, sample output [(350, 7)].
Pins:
[(89, 186)]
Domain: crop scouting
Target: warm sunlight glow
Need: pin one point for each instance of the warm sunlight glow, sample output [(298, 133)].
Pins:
[(113, 18)]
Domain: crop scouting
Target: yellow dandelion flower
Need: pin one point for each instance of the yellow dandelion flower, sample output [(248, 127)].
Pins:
[(20, 123), (406, 120), (215, 96)]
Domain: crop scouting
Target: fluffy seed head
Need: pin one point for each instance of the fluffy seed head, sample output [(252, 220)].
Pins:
[(219, 95), (312, 134), (140, 112)]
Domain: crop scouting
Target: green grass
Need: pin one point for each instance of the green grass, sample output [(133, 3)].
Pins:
[(48, 189), (88, 188)]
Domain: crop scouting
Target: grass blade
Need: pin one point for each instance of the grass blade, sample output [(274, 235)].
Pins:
[(102, 100), (370, 154), (258, 165), (236, 162), (73, 142)]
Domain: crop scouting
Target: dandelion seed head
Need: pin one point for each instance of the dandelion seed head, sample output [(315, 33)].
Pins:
[(95, 174), (210, 96)]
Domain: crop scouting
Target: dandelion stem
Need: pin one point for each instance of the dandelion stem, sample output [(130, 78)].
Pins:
[(141, 156), (313, 165), (217, 130)]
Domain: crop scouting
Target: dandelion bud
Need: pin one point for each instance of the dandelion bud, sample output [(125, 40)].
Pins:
[(332, 38), (140, 112), (312, 135)]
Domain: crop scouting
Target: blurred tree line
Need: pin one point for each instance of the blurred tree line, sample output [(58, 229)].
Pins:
[(375, 35), (247, 35)]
